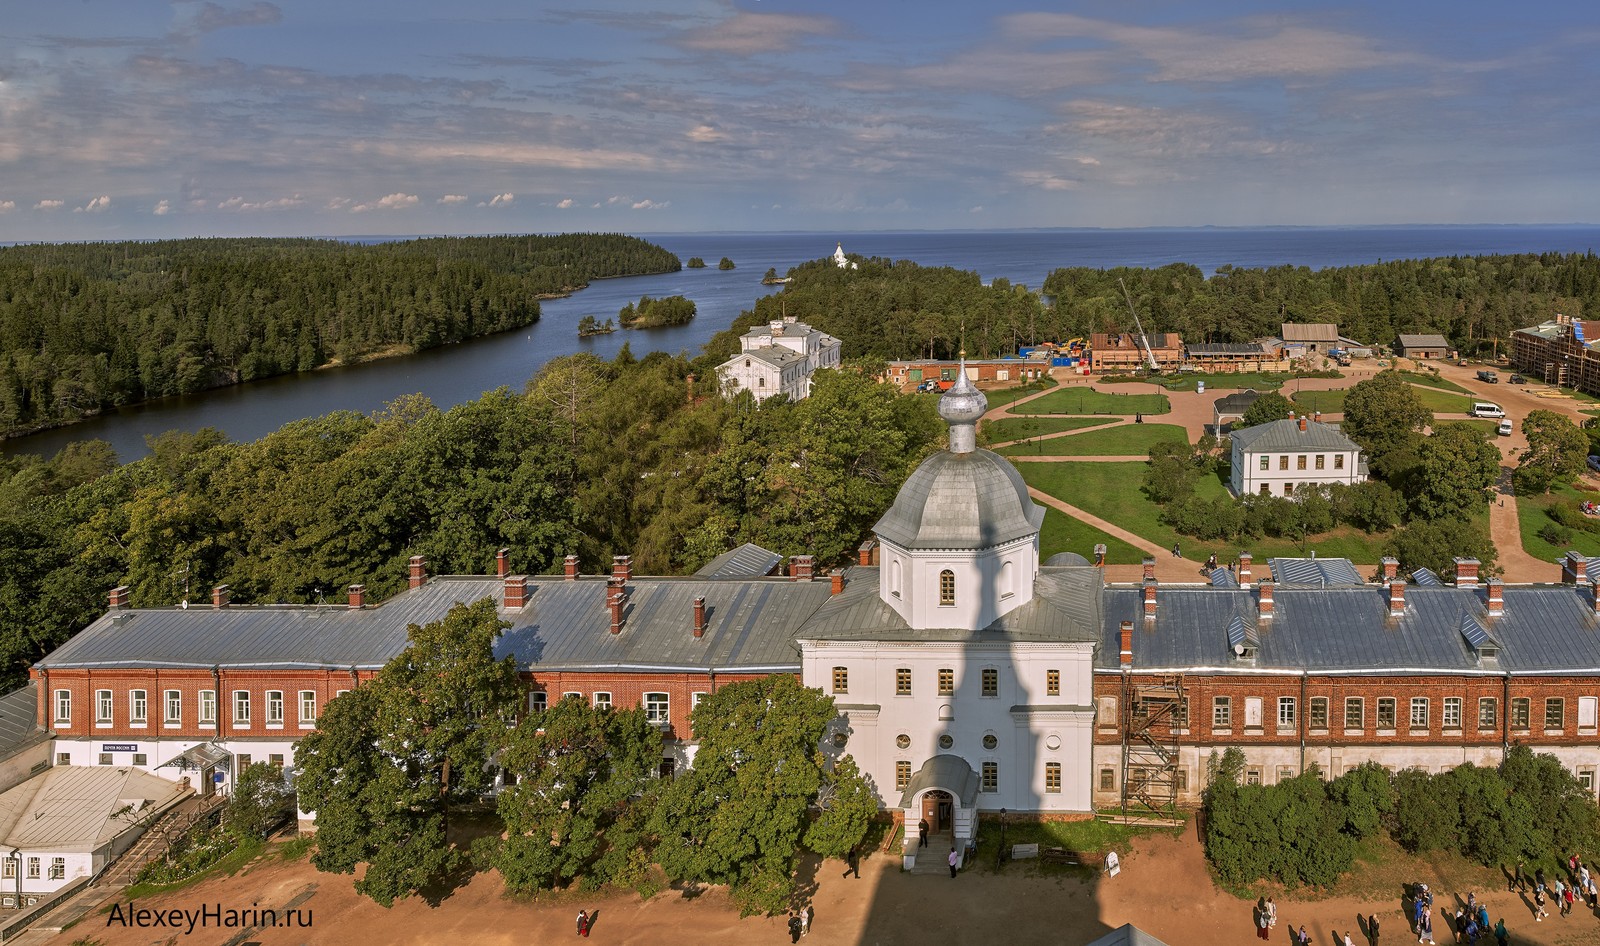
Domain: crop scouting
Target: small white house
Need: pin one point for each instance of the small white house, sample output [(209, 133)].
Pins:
[(779, 359), (1272, 459)]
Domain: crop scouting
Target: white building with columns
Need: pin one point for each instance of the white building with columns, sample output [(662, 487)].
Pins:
[(963, 670), (778, 359)]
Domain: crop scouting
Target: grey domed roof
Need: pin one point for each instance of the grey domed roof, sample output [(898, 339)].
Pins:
[(970, 500)]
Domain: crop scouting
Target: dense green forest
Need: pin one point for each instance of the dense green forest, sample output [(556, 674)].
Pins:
[(657, 313), (94, 325), (595, 458)]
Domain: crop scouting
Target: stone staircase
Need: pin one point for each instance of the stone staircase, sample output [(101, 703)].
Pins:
[(174, 823), (935, 858)]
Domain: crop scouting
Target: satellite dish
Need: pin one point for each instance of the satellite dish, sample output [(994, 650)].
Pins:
[(1238, 650)]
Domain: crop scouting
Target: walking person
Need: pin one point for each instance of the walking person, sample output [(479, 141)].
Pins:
[(1461, 919), (1567, 898), (1272, 914), (583, 923), (1176, 551), (1518, 881), (1501, 933), (1538, 905), (1302, 938), (922, 833), (1261, 921), (1425, 928), (852, 863), (1372, 928), (953, 860), (805, 920)]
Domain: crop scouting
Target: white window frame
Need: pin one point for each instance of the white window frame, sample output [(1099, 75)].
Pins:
[(241, 709), (308, 709), (1588, 710), (1222, 712), (58, 868), (538, 701), (602, 699), (989, 777), (8, 868), (1288, 712), (1452, 713), (1419, 703), (63, 708), (658, 709), (104, 706), (172, 708), (1252, 712), (275, 709), (207, 712), (696, 698), (33, 868), (139, 708)]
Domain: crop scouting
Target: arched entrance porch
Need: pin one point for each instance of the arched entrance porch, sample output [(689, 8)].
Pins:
[(943, 793)]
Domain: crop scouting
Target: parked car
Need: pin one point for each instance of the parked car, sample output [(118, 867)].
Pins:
[(1594, 463), (1518, 379), (1485, 409), (1505, 427)]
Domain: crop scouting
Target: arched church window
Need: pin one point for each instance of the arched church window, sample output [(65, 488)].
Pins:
[(947, 588), (1008, 578), (894, 577)]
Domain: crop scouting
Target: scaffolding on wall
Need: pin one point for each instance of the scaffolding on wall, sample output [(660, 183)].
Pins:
[(1155, 714)]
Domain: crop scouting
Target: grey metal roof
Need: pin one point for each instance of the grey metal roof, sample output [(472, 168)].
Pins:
[(1544, 629), (1066, 558), (1065, 607), (1310, 332), (19, 719), (772, 355), (1286, 435), (1315, 572), (747, 561), (1478, 636), (1423, 341), (949, 772), (73, 808), (1426, 578), (970, 500), (1223, 578), (1236, 403), (1127, 935)]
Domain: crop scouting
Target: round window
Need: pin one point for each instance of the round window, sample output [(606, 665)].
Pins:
[(903, 741), (839, 739), (1052, 742), (946, 741), (989, 741)]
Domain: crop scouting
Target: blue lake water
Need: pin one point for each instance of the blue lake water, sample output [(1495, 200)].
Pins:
[(461, 372)]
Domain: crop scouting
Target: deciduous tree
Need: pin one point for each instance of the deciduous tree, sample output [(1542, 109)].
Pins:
[(1557, 452)]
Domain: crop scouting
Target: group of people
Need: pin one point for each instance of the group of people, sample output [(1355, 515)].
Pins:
[(1471, 919), (1566, 892), (800, 924), (1267, 920)]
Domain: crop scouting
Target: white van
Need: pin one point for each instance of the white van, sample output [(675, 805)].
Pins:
[(1505, 428), (1485, 409)]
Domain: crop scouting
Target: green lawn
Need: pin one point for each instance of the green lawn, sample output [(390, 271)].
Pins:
[(1125, 440), (1000, 396), (1329, 402), (1018, 428), (1085, 400), (1531, 518), (1428, 379), (1062, 533), (1445, 402), (1112, 491)]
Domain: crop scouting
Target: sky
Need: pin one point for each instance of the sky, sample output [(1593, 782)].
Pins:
[(143, 119)]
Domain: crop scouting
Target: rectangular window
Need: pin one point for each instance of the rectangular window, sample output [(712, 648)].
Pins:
[(1252, 712), (208, 707), (1283, 462), (58, 868), (275, 760), (1264, 463), (1300, 462), (8, 868), (902, 775), (1052, 683), (1286, 712), (1266, 489), (241, 707), (102, 706), (1419, 712), (656, 707), (63, 706), (537, 701), (602, 700), (1586, 712), (1355, 712), (696, 698), (1585, 782), (1555, 713), (1222, 712), (1320, 458), (63, 758), (1052, 778), (1319, 712), (902, 682), (1520, 711), (1252, 776), (1180, 715), (33, 868), (1285, 773), (105, 758), (991, 777), (947, 681), (574, 694), (173, 703), (1488, 718), (138, 708), (1452, 713), (242, 762), (141, 758), (308, 708), (1386, 712), (274, 707), (991, 682), (841, 679), (1338, 461), (1108, 780)]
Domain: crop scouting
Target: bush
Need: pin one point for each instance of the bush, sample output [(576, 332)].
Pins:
[(1556, 535), (261, 802)]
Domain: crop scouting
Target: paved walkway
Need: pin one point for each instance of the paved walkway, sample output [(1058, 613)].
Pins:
[(1168, 568)]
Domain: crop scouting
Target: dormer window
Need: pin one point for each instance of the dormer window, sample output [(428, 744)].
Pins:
[(947, 589)]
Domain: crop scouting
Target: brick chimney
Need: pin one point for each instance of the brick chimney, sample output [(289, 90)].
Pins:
[(357, 596), (1466, 572), (1150, 600), (1265, 603), (502, 563), (220, 596), (1574, 568), (1596, 588), (867, 553), (1244, 569), (801, 567), (1497, 601), (419, 572), (1316, 416), (1397, 598), (1149, 568), (1302, 423), (700, 616), (616, 600), (569, 567), (118, 599), (1127, 643), (516, 591), (838, 583), (622, 567), (1390, 568)]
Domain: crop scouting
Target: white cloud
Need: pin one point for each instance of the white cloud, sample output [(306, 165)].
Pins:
[(617, 199), (394, 201), (7, 206), (976, 210), (162, 209), (452, 199), (706, 134), (49, 205), (337, 203), (243, 205), (648, 204), (97, 205), (498, 200), (565, 204)]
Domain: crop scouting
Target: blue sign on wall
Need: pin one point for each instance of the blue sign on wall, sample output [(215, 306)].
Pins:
[(119, 747), (216, 778)]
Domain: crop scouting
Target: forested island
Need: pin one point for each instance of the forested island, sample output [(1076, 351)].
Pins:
[(656, 313), (84, 327), (589, 325)]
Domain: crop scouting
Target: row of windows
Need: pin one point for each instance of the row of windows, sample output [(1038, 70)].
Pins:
[(947, 583), (988, 779), (1419, 712), (172, 707), (990, 678), (1300, 462), (1140, 776), (657, 706), (58, 868)]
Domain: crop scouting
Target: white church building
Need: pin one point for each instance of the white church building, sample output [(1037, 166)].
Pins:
[(963, 673), (778, 359)]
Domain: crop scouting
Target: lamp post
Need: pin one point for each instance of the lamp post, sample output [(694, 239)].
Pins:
[(1000, 858)]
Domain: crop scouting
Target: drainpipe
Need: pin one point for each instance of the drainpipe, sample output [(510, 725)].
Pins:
[(48, 723), (1305, 713), (1505, 720)]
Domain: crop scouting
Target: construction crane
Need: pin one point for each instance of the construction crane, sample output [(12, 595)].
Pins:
[(1143, 339)]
